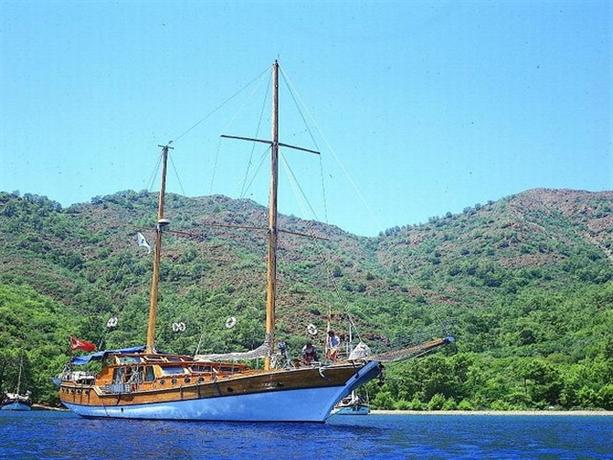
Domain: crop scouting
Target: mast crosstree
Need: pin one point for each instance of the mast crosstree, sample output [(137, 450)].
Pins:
[(271, 281)]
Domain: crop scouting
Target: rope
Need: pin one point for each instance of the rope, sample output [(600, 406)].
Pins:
[(257, 132), (215, 165), (177, 174), (299, 187), (263, 155), (153, 173), (336, 158), (308, 128), (226, 126), (219, 106), (323, 188), (298, 102), (294, 187)]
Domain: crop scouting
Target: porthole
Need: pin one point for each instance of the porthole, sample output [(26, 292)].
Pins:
[(174, 381), (187, 380), (201, 379), (162, 382)]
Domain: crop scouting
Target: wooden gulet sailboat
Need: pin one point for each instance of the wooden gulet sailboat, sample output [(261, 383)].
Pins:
[(143, 383)]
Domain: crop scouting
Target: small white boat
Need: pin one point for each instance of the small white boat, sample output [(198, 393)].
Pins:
[(15, 401), (352, 405)]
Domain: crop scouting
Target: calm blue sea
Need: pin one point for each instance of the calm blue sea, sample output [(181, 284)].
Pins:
[(39, 434)]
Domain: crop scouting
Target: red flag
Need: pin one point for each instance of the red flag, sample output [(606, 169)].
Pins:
[(78, 344)]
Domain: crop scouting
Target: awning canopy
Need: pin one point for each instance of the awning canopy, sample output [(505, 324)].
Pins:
[(81, 360)]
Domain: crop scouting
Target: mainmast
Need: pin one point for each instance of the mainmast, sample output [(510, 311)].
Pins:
[(271, 282), (157, 252), (273, 231)]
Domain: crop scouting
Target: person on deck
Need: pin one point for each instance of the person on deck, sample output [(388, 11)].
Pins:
[(309, 354), (333, 343), (284, 353)]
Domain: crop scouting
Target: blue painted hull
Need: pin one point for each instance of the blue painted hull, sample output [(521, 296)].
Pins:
[(300, 405), (16, 406)]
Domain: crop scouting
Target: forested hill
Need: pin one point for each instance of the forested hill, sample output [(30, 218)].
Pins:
[(523, 283)]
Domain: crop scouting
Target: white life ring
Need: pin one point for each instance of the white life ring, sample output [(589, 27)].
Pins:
[(231, 322), (112, 322), (178, 327), (312, 329)]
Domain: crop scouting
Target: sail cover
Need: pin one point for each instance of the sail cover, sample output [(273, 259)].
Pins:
[(412, 352), (260, 352), (81, 360)]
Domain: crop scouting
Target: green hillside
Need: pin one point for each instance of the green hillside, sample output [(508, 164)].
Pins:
[(525, 284)]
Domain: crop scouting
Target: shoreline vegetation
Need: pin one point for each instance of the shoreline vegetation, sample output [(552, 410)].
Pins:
[(586, 413), (518, 282)]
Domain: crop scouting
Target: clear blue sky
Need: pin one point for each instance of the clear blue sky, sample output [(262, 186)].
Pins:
[(430, 106)]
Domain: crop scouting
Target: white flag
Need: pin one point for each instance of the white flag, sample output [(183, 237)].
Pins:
[(143, 242)]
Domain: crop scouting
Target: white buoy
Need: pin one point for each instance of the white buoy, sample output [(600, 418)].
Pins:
[(312, 329), (112, 322)]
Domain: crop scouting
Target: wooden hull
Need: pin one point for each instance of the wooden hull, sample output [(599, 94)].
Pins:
[(306, 394)]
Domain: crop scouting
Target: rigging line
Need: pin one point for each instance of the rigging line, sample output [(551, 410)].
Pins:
[(308, 128), (342, 300), (219, 106), (336, 158), (226, 126), (299, 187), (154, 173), (257, 132), (177, 174), (294, 187), (215, 166), (355, 328), (323, 188), (287, 85), (257, 170)]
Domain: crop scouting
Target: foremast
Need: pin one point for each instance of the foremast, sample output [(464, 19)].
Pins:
[(157, 253)]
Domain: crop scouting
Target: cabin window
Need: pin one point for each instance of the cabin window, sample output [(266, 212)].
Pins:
[(187, 380), (149, 375), (174, 381), (128, 359), (172, 370), (118, 375), (201, 368)]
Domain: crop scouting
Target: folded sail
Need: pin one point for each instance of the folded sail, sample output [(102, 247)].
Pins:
[(412, 352), (260, 352)]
